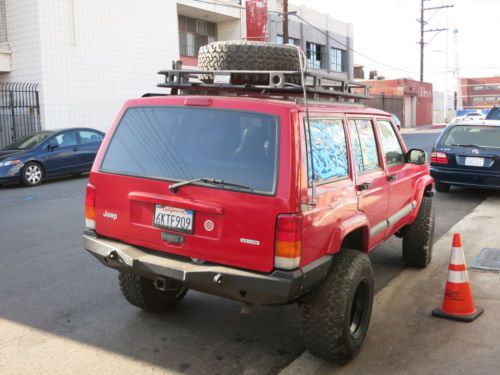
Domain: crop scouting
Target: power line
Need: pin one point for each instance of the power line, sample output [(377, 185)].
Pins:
[(350, 48), (219, 2)]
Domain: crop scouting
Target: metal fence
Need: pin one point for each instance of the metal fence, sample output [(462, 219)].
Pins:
[(19, 111), (391, 104)]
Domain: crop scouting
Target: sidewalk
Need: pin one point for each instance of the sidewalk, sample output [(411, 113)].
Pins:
[(405, 339)]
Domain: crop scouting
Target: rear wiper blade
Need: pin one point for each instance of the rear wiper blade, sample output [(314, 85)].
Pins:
[(175, 187), (461, 145)]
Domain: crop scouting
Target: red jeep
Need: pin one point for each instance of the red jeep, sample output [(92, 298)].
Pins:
[(265, 200)]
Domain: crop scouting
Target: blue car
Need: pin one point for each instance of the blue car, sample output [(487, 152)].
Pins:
[(49, 154), (467, 154)]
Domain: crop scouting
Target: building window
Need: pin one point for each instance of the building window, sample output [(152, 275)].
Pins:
[(315, 58), (291, 41), (195, 33), (336, 59)]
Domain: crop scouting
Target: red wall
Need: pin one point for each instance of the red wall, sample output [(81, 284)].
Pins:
[(257, 20), (407, 87)]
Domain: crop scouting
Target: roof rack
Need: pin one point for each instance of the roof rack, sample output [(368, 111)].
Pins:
[(269, 84)]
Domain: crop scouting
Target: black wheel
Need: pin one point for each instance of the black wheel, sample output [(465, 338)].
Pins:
[(32, 174), (244, 55), (418, 236), (442, 187), (141, 292), (336, 316)]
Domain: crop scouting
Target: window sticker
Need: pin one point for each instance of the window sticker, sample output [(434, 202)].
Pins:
[(329, 150)]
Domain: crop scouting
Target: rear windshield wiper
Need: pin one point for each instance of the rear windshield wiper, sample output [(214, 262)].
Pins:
[(175, 187), (461, 145)]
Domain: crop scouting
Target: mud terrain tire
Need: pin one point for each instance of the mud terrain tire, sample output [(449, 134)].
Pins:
[(244, 55), (141, 292), (418, 237), (336, 316)]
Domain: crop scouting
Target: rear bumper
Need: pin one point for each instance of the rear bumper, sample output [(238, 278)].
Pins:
[(277, 287), (465, 178)]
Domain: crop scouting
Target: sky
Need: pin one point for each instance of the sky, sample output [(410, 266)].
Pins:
[(387, 31)]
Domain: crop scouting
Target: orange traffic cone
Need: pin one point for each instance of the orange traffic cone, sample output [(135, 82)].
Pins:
[(458, 303)]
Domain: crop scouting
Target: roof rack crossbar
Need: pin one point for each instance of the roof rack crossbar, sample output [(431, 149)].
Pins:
[(276, 83)]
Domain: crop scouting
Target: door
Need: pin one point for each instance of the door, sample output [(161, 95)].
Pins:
[(90, 141), (399, 175), (371, 178), (334, 185), (62, 153), (407, 112)]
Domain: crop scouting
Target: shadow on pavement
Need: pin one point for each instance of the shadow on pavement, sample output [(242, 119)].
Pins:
[(47, 281)]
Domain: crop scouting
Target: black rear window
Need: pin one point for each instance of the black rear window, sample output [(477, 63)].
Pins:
[(467, 135), (178, 143), (493, 114)]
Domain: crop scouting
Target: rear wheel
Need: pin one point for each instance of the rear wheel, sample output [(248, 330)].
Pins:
[(337, 315), (418, 237), (442, 187), (141, 292), (32, 174)]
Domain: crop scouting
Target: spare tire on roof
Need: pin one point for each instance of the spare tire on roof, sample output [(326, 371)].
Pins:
[(245, 55)]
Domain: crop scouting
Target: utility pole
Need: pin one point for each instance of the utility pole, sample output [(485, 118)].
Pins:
[(285, 21), (446, 70), (423, 22), (457, 73)]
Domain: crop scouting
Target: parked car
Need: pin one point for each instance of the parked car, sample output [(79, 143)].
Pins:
[(468, 117), (467, 154), (49, 154), (256, 199), (493, 114), (396, 121)]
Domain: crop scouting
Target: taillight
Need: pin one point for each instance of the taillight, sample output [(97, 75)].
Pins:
[(288, 246), (90, 207), (439, 158)]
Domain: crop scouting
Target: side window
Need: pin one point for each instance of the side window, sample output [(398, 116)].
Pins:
[(364, 145), (393, 152), (329, 150), (66, 139), (88, 136)]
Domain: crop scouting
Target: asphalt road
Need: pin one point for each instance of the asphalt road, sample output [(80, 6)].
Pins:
[(49, 283)]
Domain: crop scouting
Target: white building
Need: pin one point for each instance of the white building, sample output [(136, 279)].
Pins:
[(89, 56)]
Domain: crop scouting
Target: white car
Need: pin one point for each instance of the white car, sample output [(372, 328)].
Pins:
[(468, 117)]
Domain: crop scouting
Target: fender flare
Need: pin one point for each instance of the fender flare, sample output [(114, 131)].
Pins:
[(354, 222), (424, 186)]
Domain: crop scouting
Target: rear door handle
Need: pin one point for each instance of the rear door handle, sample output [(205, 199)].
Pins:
[(392, 177), (75, 148), (364, 186)]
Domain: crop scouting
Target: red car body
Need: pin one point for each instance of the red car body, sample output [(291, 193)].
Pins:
[(123, 205)]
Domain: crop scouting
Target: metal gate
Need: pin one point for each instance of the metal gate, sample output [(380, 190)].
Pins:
[(19, 111), (391, 104)]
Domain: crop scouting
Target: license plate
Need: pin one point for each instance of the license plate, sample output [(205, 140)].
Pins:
[(474, 162), (173, 218)]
